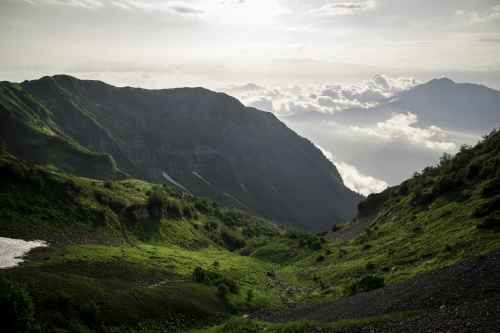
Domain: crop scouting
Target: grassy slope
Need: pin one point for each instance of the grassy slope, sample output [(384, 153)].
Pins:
[(29, 130), (437, 218), (132, 270), (139, 271)]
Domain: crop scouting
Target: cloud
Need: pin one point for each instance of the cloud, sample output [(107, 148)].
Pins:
[(87, 4), (174, 7), (401, 127), (185, 9), (328, 99), (473, 17), (355, 180), (345, 8)]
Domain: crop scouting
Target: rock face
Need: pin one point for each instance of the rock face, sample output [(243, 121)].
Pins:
[(204, 142)]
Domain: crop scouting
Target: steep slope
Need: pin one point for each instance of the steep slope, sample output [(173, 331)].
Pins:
[(27, 128), (205, 142)]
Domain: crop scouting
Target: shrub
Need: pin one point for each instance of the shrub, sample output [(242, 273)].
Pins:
[(157, 198), (320, 259), (210, 278), (294, 327), (487, 207), (89, 313), (242, 325), (222, 290), (445, 184), (199, 275), (249, 296), (491, 188), (370, 266), (204, 205), (108, 184), (366, 247), (16, 307), (491, 222), (367, 283), (175, 209), (312, 242), (232, 240)]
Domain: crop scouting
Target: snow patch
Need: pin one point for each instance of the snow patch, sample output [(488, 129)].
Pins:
[(200, 177), (11, 250), (171, 180)]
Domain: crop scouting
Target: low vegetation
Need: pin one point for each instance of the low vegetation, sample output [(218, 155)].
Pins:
[(130, 256)]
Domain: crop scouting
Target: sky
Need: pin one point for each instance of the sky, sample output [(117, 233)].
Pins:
[(282, 56), (212, 43)]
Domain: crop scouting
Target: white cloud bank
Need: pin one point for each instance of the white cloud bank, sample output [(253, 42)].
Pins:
[(329, 99), (401, 126), (355, 180)]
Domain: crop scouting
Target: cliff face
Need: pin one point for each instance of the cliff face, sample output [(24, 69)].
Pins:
[(204, 142)]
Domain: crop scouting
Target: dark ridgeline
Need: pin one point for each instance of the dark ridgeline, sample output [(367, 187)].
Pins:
[(206, 142)]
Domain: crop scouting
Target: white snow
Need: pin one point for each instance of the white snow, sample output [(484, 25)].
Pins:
[(197, 175), (171, 180), (11, 250)]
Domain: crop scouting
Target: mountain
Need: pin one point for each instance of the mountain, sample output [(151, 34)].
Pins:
[(464, 107), (203, 142), (456, 106)]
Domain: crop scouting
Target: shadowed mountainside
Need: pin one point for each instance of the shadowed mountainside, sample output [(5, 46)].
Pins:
[(205, 142)]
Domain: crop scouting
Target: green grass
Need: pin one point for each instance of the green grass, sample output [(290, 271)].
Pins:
[(108, 272)]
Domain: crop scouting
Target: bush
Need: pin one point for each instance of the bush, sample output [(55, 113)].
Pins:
[(242, 325), (370, 266), (89, 313), (491, 222), (204, 205), (210, 278), (157, 198), (320, 259), (16, 307), (250, 295), (232, 240), (312, 242), (367, 283), (108, 184), (491, 188), (222, 290), (487, 207), (294, 327), (176, 210), (158, 201)]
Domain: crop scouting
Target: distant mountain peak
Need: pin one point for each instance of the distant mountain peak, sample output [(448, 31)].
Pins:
[(442, 81)]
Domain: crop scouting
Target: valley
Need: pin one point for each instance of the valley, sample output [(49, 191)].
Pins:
[(133, 256)]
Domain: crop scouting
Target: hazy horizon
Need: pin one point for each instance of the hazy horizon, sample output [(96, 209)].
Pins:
[(153, 44), (286, 57)]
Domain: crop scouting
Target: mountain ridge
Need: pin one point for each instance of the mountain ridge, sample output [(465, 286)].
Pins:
[(182, 133)]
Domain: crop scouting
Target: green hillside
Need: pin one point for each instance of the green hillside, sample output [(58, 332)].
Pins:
[(132, 253), (131, 256), (29, 130)]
